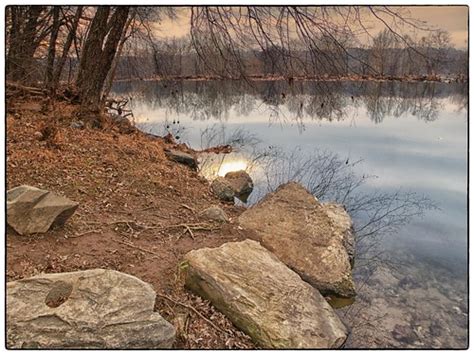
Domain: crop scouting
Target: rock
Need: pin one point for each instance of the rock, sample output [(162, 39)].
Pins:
[(343, 225), (215, 213), (292, 224), (38, 135), (408, 282), (181, 157), (222, 189), (92, 309), (77, 124), (263, 297), (241, 182), (404, 334), (32, 210)]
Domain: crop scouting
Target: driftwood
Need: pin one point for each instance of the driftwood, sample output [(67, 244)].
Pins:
[(14, 88), (220, 149)]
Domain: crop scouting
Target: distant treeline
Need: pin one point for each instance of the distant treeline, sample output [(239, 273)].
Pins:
[(177, 59)]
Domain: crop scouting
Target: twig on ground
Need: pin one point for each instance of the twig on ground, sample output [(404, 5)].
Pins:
[(136, 247), (190, 231), (188, 208), (190, 227), (86, 232), (208, 321)]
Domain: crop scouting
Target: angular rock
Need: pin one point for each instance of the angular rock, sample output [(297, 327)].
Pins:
[(93, 309), (32, 210), (292, 224), (222, 189), (77, 124), (241, 182), (263, 297), (343, 226), (182, 158), (215, 213)]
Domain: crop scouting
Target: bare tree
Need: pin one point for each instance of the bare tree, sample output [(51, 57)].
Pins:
[(98, 53), (28, 27), (322, 33), (382, 52), (71, 36), (52, 47)]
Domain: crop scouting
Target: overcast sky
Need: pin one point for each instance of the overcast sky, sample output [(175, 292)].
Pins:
[(450, 18)]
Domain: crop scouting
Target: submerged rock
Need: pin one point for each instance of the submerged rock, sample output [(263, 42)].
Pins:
[(182, 158), (215, 213), (32, 210), (263, 297), (93, 309), (222, 189), (241, 183), (292, 224)]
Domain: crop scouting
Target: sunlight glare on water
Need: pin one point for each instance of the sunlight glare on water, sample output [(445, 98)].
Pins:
[(230, 166)]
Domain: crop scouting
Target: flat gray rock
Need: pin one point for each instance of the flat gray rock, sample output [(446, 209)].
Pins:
[(32, 210), (182, 157), (292, 224), (263, 297), (93, 309), (222, 189)]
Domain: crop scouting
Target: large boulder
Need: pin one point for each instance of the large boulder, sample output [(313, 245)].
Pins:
[(182, 158), (222, 189), (32, 210), (241, 183), (343, 227), (291, 223), (93, 309), (263, 297)]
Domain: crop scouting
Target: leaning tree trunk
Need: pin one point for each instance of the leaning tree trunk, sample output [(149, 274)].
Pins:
[(111, 74), (52, 49), (67, 45), (97, 57)]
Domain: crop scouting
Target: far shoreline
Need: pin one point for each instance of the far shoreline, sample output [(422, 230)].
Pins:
[(291, 79)]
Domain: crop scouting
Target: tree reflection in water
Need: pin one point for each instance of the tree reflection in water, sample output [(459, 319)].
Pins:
[(300, 101)]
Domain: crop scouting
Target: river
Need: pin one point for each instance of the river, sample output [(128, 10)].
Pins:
[(387, 144)]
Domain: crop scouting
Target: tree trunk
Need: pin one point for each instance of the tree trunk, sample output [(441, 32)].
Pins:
[(52, 49), (111, 74), (24, 41), (97, 57), (67, 45)]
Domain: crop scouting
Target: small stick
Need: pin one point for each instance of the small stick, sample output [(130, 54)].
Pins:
[(189, 230), (136, 247), (188, 208), (208, 321), (87, 232)]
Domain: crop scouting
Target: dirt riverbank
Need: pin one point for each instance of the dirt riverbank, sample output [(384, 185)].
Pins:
[(138, 211)]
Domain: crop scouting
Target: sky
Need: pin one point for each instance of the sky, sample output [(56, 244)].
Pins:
[(453, 19)]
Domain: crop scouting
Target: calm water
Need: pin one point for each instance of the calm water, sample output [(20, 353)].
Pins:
[(412, 137)]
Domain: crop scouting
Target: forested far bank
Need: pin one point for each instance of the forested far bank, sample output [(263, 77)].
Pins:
[(87, 47)]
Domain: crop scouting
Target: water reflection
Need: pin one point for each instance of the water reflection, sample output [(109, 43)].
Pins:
[(281, 102)]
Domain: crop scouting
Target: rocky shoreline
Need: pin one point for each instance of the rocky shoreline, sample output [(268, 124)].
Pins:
[(260, 290), (293, 255), (123, 207)]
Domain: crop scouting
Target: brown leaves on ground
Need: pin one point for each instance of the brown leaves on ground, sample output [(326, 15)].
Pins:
[(135, 209)]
